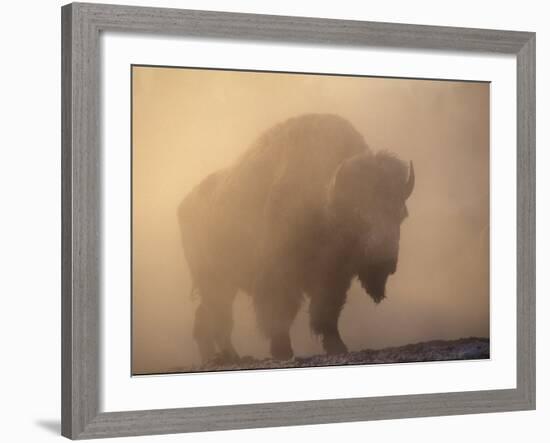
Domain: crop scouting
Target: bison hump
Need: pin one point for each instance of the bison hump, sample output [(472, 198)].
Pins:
[(298, 155), (270, 199)]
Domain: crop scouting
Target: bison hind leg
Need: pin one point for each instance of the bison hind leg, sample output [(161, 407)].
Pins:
[(214, 323), (203, 333)]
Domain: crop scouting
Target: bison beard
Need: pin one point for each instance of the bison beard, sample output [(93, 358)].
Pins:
[(288, 219), (373, 278)]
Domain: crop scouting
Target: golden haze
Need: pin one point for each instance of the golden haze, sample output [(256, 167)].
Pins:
[(190, 122)]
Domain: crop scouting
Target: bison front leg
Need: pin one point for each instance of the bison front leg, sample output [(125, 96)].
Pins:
[(325, 310)]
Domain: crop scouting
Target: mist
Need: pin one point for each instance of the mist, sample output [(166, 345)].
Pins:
[(188, 123)]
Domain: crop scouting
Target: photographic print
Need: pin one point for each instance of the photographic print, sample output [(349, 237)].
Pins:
[(291, 220)]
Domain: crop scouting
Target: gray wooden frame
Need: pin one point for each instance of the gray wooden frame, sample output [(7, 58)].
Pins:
[(81, 165)]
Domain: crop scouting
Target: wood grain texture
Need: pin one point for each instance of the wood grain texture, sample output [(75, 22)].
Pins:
[(81, 221), (259, 27), (526, 221), (66, 223), (114, 424), (81, 204)]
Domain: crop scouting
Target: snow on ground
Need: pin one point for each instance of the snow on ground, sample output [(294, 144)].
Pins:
[(438, 350)]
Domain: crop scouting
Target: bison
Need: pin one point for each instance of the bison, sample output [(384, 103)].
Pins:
[(306, 209)]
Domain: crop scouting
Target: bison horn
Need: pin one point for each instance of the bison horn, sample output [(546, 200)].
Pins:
[(410, 182)]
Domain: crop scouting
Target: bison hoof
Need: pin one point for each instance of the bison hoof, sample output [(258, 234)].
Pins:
[(334, 345), (281, 349), (229, 356), (283, 354), (224, 357)]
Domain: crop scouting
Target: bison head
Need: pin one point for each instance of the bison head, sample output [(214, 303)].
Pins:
[(367, 200)]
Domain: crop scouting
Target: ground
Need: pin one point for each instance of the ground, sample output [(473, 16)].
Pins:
[(472, 348)]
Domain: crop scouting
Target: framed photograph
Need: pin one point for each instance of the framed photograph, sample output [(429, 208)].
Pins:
[(273, 221)]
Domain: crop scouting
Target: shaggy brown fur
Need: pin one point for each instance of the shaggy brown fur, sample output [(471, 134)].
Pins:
[(303, 211)]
